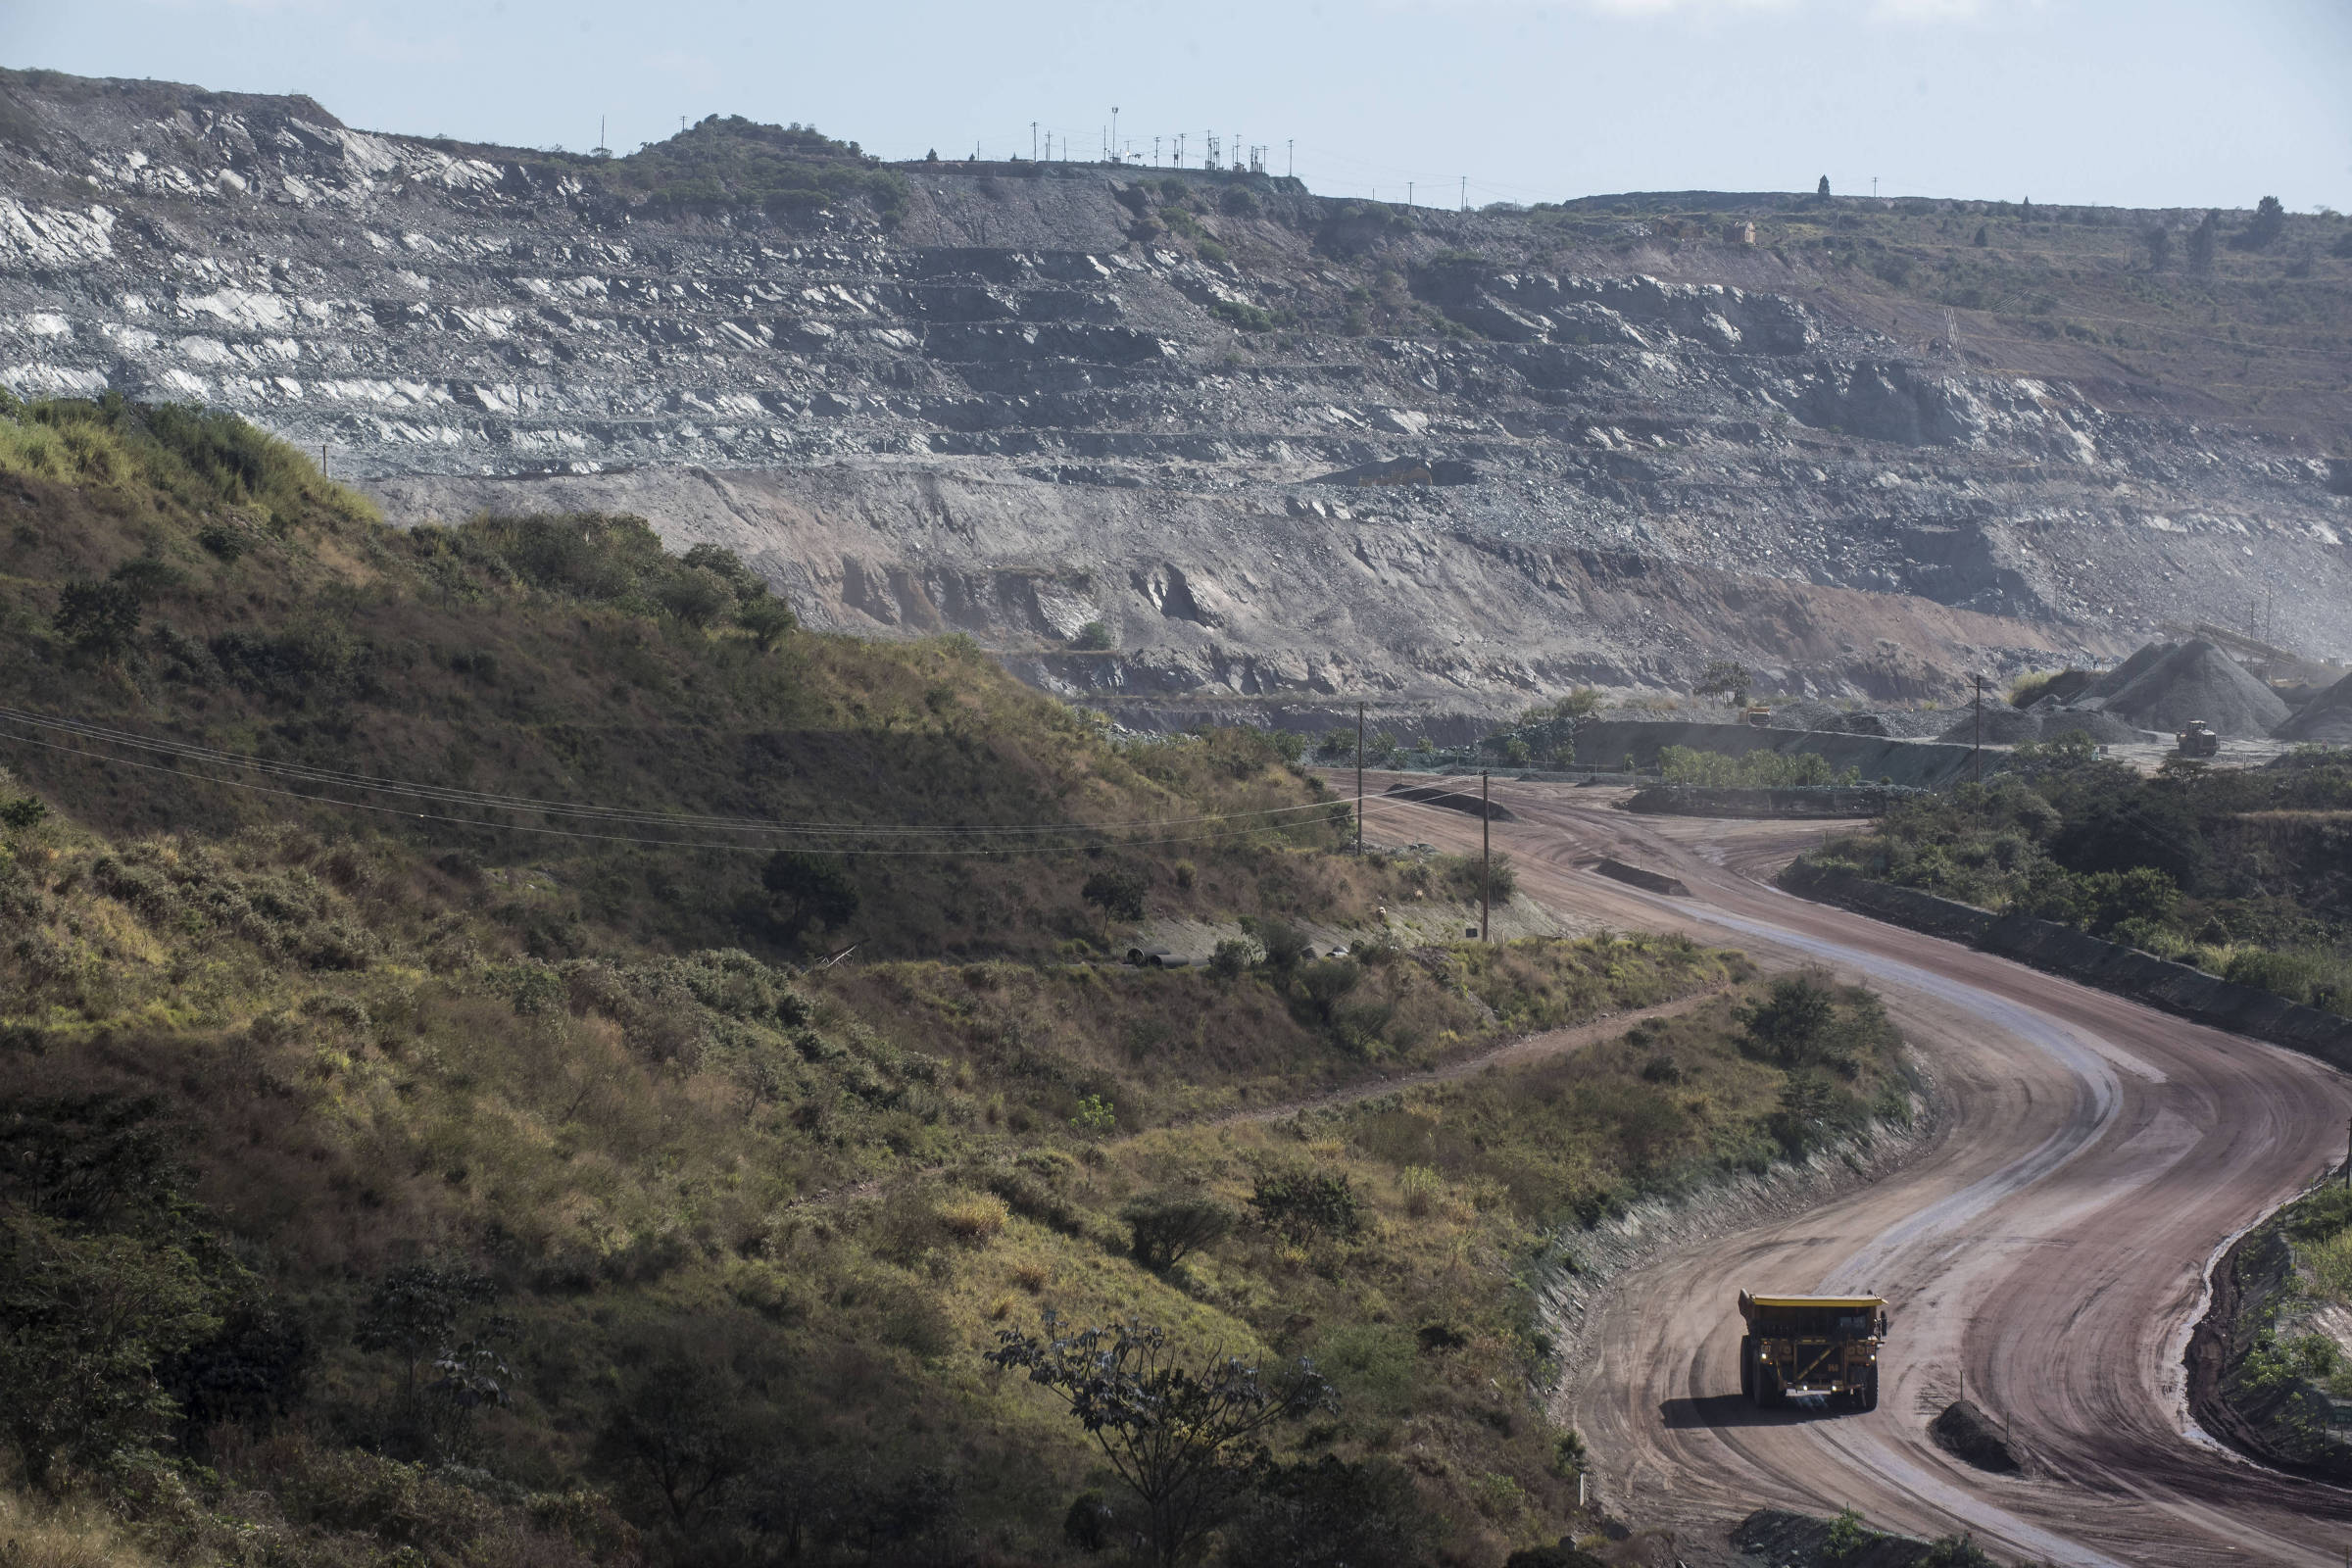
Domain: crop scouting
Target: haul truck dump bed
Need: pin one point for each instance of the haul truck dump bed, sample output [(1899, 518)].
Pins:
[(1812, 1344)]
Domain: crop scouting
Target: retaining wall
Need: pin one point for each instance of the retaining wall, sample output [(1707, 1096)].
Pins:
[(2110, 966)]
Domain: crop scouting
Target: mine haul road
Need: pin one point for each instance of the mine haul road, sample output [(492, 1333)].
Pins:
[(2051, 1239)]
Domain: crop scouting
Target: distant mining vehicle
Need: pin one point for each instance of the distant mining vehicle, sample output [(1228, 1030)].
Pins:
[(2199, 739), (1759, 714), (1797, 1345)]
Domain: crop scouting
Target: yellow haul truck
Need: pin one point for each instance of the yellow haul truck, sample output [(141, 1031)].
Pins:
[(1811, 1345)]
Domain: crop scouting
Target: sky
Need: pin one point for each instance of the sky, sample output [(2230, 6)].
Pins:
[(2140, 103)]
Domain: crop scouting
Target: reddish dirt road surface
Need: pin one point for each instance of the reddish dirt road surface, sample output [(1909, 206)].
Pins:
[(2050, 1242)]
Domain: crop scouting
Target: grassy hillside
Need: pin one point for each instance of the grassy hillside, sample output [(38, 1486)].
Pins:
[(381, 1190), (181, 576)]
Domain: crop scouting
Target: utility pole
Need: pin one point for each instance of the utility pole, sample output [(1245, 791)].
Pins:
[(322, 473), (1486, 854), (1289, 158), (1115, 133), (1155, 152), (1465, 193), (1360, 797), (1409, 193), (1979, 680), (1033, 142)]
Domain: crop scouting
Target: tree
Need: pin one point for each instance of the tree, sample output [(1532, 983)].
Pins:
[(697, 595), (2269, 222), (1791, 1025), (414, 1313), (811, 889), (1118, 891), (98, 617), (85, 1323), (1181, 1437), (1164, 1226), (684, 1429), (2159, 241), (1300, 1204), (1823, 189), (2204, 241), (1984, 236), (1094, 637), (1727, 679), (768, 619)]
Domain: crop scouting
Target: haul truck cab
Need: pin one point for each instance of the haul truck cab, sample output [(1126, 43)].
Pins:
[(1812, 1344)]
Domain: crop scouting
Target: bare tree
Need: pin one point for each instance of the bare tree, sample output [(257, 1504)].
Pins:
[(1182, 1438)]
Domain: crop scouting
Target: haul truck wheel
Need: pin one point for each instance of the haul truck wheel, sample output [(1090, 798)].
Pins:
[(1768, 1387), (1869, 1390), (1748, 1366)]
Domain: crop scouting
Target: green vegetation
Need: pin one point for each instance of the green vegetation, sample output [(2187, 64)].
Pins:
[(379, 1186), (1752, 770), (2241, 872), (726, 164), (208, 585), (2290, 1379)]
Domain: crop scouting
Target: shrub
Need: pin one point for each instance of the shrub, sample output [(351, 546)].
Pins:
[(1331, 1512), (1284, 945), (768, 619), (1234, 956), (807, 890), (1792, 1026), (1164, 1226), (1302, 1205), (974, 1218), (98, 617), (1094, 637)]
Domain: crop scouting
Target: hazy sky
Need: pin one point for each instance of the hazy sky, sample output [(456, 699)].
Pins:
[(2131, 102)]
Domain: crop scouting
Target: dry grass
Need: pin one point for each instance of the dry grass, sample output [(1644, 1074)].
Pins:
[(78, 1533)]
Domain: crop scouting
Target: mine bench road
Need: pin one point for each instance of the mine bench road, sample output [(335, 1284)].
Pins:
[(2092, 1158)]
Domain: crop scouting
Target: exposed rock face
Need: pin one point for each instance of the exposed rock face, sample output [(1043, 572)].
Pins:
[(1002, 414)]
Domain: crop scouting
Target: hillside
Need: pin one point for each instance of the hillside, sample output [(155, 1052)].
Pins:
[(1285, 450), (375, 1186), (666, 722)]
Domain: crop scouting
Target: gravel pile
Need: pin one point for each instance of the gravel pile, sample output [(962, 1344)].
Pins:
[(2006, 727), (2325, 718), (2192, 680), (1893, 723)]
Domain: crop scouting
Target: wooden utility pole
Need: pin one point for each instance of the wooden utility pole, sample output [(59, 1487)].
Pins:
[(1979, 680), (1485, 855), (1359, 781)]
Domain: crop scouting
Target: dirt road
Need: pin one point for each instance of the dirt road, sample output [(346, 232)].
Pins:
[(2051, 1243)]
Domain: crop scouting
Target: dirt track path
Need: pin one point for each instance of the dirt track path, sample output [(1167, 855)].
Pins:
[(2051, 1243), (1516, 1051)]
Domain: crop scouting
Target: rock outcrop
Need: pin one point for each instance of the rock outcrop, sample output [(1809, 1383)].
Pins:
[(1012, 400)]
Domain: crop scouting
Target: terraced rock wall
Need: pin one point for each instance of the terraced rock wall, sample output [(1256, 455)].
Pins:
[(1280, 447)]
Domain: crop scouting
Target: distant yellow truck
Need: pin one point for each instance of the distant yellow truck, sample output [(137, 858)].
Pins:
[(1812, 1344)]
